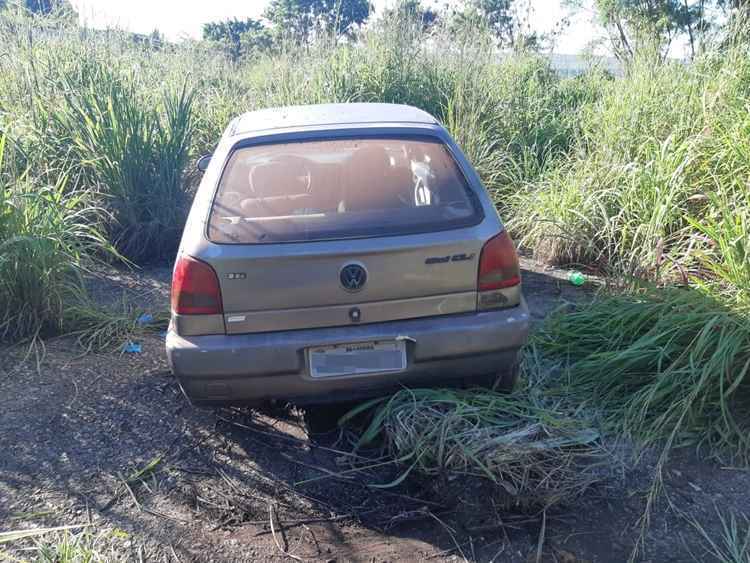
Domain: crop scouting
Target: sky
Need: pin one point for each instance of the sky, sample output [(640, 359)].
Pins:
[(177, 19)]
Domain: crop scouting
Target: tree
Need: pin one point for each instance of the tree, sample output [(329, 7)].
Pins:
[(302, 19), (499, 16), (508, 20), (414, 11), (237, 37), (41, 7), (156, 40), (651, 26)]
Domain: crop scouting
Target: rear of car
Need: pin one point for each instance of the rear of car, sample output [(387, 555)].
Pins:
[(326, 260)]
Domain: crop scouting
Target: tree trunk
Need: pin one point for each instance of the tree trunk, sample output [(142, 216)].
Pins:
[(690, 30)]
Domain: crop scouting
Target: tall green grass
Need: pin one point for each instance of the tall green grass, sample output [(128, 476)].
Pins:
[(657, 190), (661, 364), (656, 152), (48, 234), (133, 153)]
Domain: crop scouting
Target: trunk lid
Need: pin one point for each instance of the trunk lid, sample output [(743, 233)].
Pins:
[(359, 281)]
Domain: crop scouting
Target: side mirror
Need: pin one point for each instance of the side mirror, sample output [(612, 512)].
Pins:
[(203, 162)]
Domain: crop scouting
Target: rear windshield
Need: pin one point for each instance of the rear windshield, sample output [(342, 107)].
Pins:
[(342, 188)]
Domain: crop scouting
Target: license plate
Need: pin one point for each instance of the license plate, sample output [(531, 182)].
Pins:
[(357, 358)]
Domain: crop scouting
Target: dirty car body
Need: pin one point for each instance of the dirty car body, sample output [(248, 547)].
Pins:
[(338, 251)]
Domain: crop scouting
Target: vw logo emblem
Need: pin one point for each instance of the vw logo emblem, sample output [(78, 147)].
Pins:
[(353, 277)]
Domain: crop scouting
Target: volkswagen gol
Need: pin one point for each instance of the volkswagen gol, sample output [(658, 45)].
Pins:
[(337, 251)]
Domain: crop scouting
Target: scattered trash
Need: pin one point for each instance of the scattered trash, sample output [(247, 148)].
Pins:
[(577, 278), (132, 348), (145, 318)]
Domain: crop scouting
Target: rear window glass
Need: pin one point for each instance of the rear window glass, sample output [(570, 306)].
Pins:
[(342, 188)]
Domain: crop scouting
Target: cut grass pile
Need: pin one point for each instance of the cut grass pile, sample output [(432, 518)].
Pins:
[(535, 453)]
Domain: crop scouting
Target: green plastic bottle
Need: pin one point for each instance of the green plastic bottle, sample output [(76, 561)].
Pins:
[(577, 278)]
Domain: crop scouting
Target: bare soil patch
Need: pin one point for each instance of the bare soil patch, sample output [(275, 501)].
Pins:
[(108, 439)]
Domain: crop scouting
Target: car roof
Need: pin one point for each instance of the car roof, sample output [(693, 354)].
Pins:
[(298, 117)]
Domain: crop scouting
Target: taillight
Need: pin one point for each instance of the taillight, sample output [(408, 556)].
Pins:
[(498, 264), (195, 288), (498, 273)]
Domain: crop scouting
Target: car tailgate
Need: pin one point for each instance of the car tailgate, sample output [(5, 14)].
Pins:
[(293, 286)]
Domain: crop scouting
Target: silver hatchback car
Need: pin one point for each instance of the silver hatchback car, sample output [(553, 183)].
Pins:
[(338, 251)]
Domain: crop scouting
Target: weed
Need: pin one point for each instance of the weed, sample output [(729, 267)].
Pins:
[(67, 544), (733, 545), (134, 154), (657, 153), (48, 236), (99, 328)]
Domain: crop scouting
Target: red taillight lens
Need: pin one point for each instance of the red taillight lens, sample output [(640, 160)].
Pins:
[(498, 264), (195, 288)]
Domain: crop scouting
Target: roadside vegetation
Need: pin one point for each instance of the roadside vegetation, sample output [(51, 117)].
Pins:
[(48, 237), (642, 179)]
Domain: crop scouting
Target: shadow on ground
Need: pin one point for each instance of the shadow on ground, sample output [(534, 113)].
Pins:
[(74, 431)]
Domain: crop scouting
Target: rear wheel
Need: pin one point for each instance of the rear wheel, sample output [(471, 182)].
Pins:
[(503, 382), (322, 419), (506, 380)]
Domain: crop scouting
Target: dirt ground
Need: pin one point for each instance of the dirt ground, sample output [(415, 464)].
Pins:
[(234, 485)]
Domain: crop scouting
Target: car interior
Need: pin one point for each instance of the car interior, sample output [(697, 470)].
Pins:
[(322, 180)]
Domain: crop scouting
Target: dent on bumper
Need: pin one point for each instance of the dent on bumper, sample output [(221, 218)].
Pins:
[(272, 365)]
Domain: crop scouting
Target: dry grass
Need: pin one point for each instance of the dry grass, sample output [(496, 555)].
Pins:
[(535, 453)]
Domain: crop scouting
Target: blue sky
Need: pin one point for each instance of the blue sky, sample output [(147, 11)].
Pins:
[(180, 18)]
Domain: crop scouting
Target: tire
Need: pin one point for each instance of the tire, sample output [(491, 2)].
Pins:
[(322, 419), (503, 382), (506, 380)]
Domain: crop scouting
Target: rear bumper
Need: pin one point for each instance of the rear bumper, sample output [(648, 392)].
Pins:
[(236, 369)]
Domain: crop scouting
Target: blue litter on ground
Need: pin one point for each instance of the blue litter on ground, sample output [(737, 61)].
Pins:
[(131, 348), (145, 318)]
